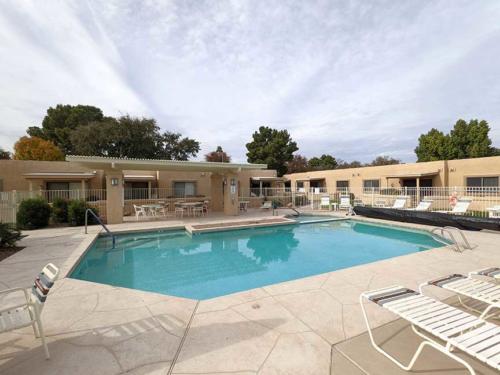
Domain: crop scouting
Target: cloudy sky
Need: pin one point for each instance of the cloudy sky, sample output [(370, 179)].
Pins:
[(355, 79)]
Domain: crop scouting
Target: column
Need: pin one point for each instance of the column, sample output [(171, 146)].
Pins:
[(114, 197), (418, 190), (260, 190), (216, 195), (231, 199), (83, 194)]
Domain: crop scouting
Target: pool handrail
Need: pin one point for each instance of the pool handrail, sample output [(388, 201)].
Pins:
[(100, 222)]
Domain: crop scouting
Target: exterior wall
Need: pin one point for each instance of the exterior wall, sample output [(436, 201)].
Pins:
[(459, 170), (12, 174), (450, 173)]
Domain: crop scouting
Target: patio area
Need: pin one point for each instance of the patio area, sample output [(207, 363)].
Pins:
[(306, 326)]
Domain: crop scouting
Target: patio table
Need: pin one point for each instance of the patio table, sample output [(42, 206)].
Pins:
[(190, 205), (152, 208)]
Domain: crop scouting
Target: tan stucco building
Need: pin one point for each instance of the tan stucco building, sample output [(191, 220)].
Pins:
[(479, 172)]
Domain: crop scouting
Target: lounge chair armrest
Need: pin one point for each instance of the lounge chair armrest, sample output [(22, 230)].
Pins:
[(14, 290)]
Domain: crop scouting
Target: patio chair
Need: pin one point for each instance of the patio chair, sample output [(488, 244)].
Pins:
[(325, 202), (267, 205), (486, 292), (424, 205), (345, 202), (197, 210), (139, 211), (457, 329), (179, 210), (358, 202), (163, 210), (494, 212), (460, 207), (28, 312), (205, 206), (399, 203), (492, 272)]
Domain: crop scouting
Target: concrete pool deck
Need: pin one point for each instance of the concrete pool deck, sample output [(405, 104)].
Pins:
[(295, 327)]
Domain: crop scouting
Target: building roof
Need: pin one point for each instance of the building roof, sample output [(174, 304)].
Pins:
[(102, 162)]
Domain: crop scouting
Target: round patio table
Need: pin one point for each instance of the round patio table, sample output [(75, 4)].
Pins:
[(190, 205)]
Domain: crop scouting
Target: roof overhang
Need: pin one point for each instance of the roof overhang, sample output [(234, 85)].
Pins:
[(267, 178), (101, 162), (412, 175), (129, 177), (60, 175)]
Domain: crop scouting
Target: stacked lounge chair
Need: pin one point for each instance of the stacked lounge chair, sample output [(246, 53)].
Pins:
[(431, 320)]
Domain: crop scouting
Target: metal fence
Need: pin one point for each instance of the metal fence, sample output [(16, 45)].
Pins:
[(10, 201), (484, 201)]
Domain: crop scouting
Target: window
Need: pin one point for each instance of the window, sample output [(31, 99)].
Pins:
[(371, 185), (299, 186), (342, 185), (481, 182), (184, 188)]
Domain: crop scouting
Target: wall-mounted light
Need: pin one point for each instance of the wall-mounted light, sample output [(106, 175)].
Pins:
[(453, 169), (114, 181)]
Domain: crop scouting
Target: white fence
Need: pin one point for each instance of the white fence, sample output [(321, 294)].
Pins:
[(443, 198), (9, 201)]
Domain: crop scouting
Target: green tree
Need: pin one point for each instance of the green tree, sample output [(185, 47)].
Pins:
[(218, 155), (341, 164), (61, 120), (433, 146), (298, 164), (4, 155), (324, 162), (272, 147), (131, 137), (465, 140), (384, 160)]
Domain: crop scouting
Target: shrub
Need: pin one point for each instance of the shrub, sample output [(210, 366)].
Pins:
[(60, 210), (9, 235), (76, 213), (33, 213)]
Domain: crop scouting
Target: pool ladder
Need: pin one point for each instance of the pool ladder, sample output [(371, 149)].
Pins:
[(457, 246), (87, 211)]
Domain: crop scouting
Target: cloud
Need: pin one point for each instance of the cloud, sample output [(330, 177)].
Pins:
[(354, 79)]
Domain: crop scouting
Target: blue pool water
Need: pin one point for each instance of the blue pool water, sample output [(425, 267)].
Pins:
[(213, 264)]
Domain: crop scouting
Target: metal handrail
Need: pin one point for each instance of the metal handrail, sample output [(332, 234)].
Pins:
[(100, 222), (449, 230)]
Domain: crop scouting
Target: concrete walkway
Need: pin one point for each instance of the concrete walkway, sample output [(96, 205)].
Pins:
[(286, 328)]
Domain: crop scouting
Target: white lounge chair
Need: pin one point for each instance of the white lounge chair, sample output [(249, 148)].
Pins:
[(380, 203), (345, 202), (325, 202), (267, 205), (492, 272), (28, 312), (494, 212), (457, 329), (139, 211), (424, 205), (479, 290), (399, 203), (460, 207)]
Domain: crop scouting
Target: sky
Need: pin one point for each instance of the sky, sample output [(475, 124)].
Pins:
[(355, 79)]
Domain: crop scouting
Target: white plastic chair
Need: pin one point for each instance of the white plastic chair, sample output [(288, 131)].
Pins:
[(267, 205), (28, 312), (424, 205), (494, 212), (399, 203), (139, 211), (325, 202), (345, 202), (460, 208)]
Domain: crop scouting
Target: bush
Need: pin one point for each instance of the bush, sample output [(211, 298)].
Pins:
[(60, 210), (76, 213), (9, 235), (33, 213)]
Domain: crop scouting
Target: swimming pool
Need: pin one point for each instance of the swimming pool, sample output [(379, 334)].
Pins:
[(214, 264)]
